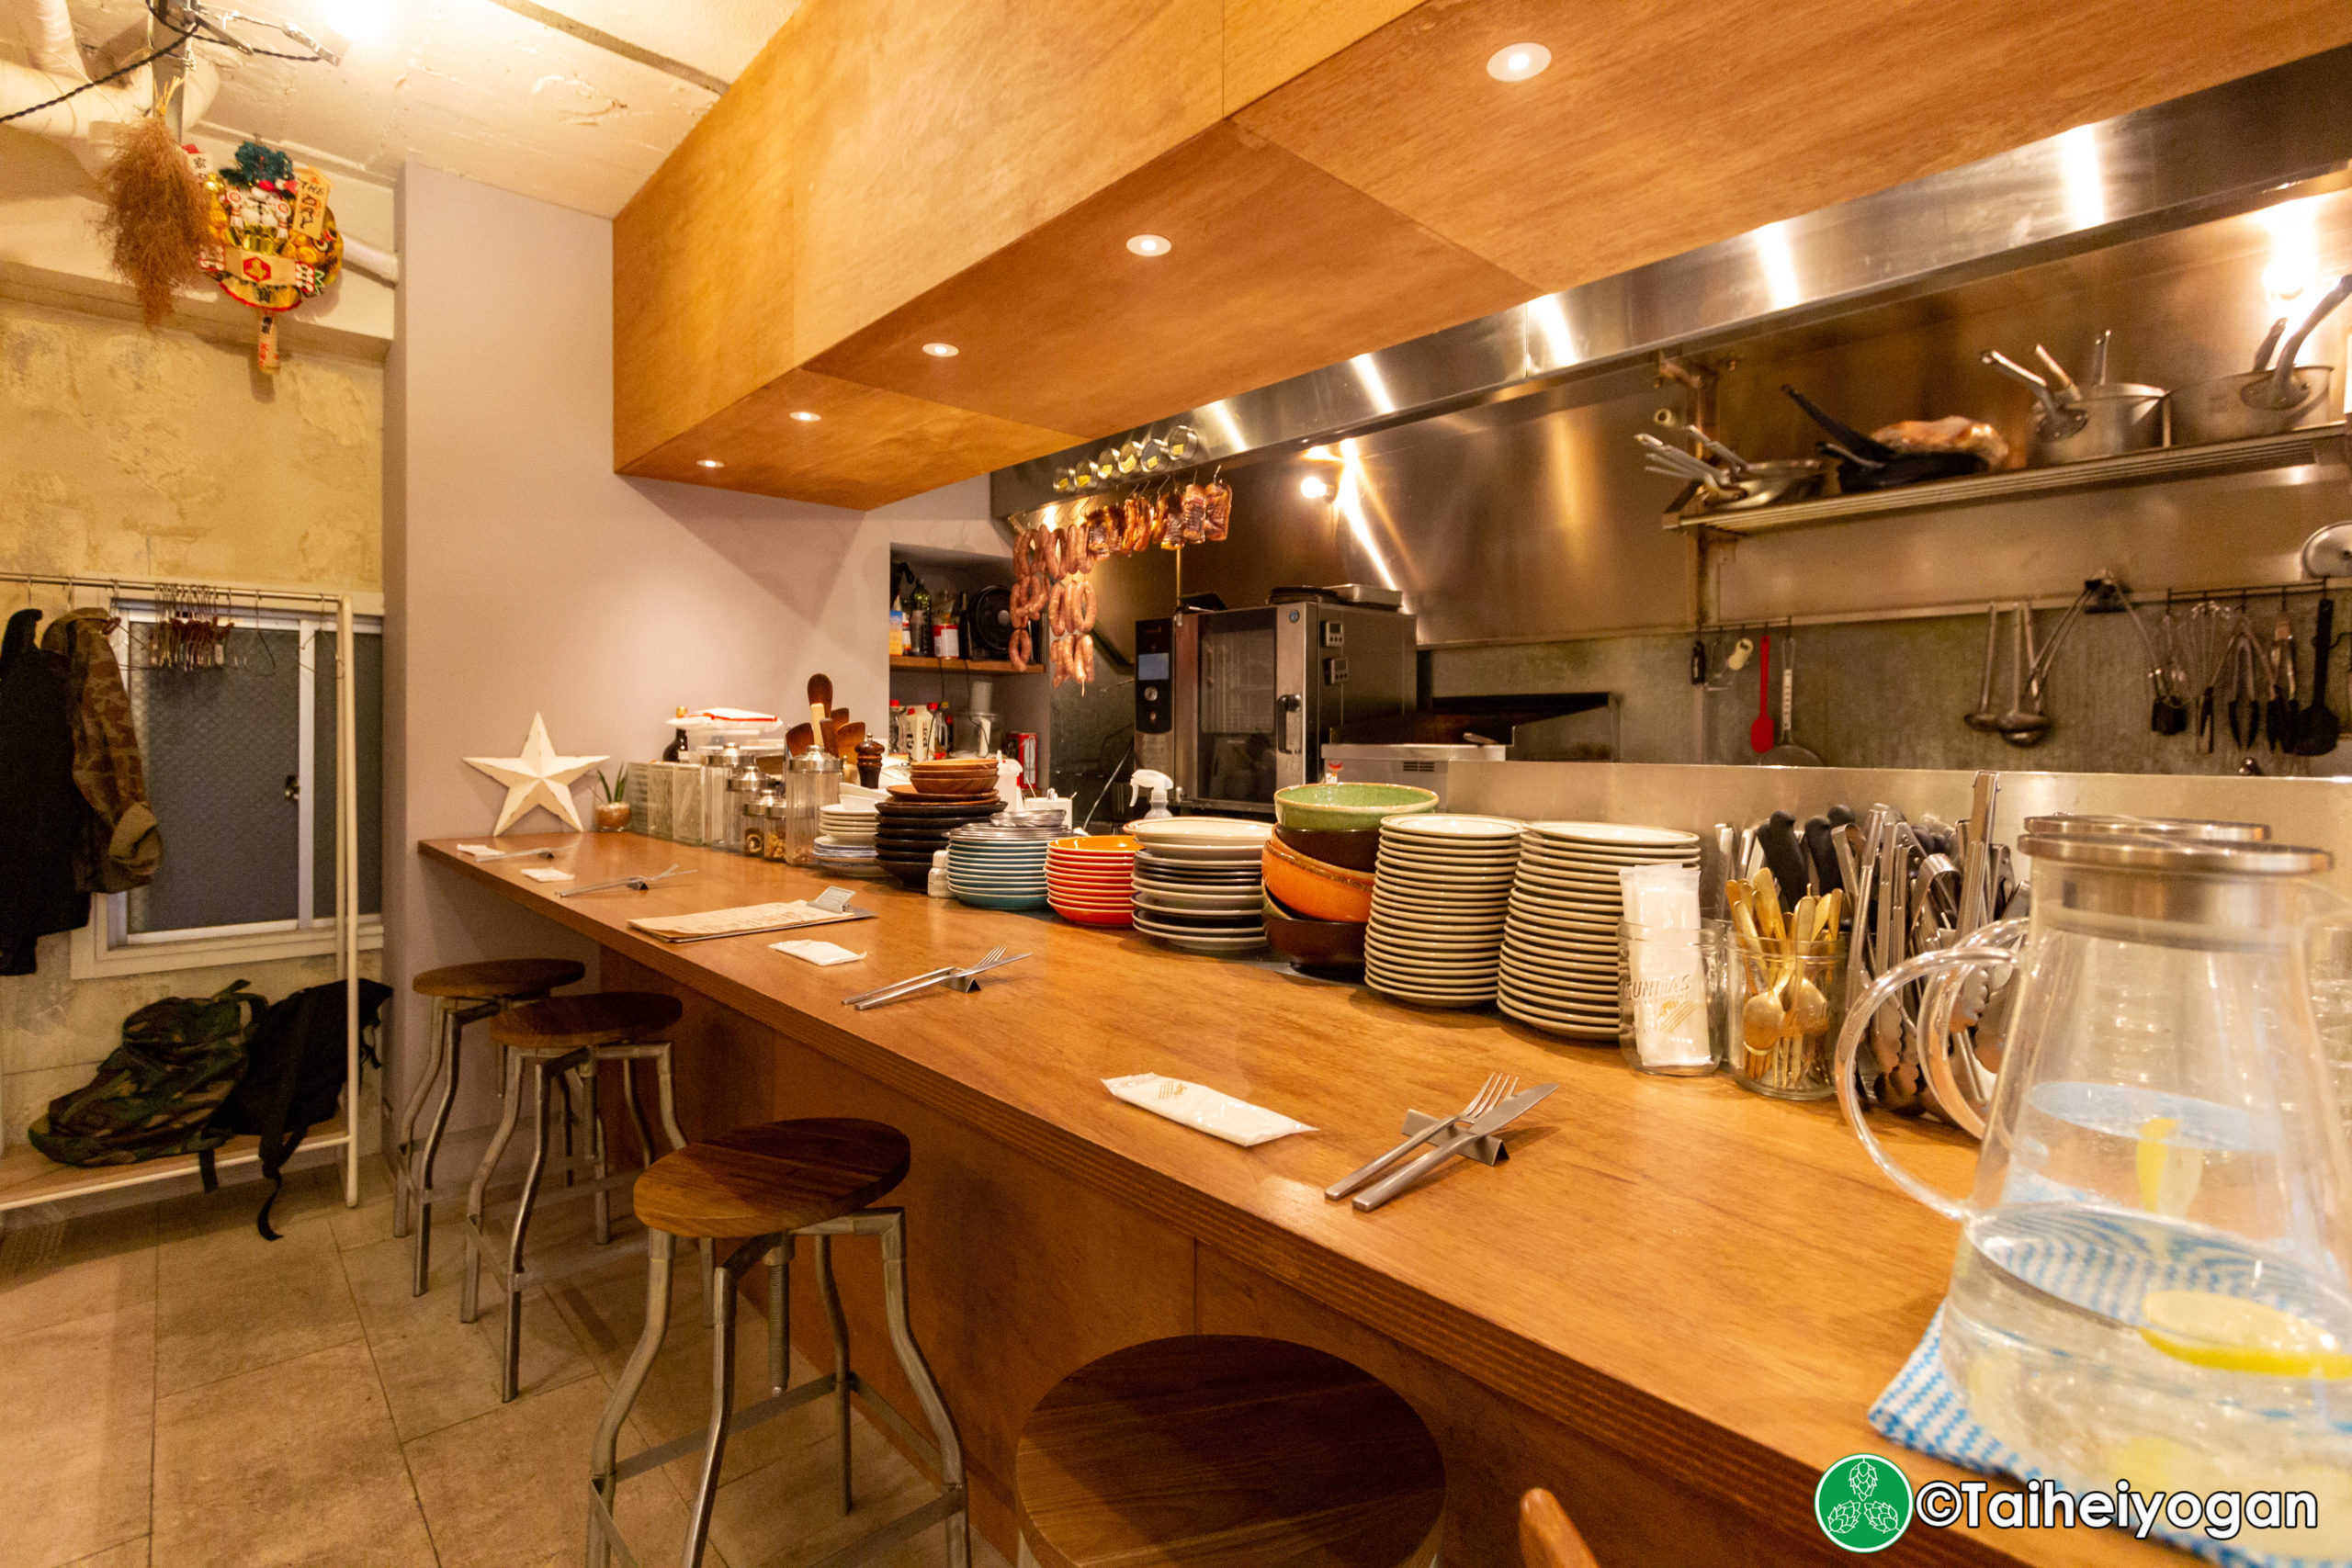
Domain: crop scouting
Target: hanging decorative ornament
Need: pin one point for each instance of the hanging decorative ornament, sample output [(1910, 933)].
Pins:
[(541, 776), (271, 239), (156, 212)]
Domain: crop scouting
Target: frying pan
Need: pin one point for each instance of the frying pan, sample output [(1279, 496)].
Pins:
[(1865, 463), (2265, 401)]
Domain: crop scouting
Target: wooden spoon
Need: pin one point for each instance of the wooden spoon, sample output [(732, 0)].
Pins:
[(800, 737), (848, 738), (821, 700)]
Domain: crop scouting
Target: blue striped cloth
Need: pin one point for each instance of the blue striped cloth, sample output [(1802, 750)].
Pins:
[(1924, 1409)]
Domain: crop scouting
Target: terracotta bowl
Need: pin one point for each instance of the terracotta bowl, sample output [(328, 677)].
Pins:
[(1313, 944), (1316, 888), (1356, 849)]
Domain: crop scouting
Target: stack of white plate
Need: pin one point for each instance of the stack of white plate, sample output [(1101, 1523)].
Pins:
[(1437, 896), (845, 836), (1560, 964), (999, 866), (1200, 884)]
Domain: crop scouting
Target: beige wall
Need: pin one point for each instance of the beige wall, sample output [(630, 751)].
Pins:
[(165, 456)]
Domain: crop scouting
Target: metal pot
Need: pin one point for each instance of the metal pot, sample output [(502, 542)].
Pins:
[(2099, 421), (2264, 401)]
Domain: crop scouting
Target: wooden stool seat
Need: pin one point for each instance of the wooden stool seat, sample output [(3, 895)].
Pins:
[(498, 979), (780, 1176), (598, 1018), (1209, 1450)]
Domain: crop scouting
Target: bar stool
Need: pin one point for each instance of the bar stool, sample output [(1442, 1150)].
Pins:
[(462, 994), (772, 1183), (552, 1039), (1215, 1450), (1546, 1538)]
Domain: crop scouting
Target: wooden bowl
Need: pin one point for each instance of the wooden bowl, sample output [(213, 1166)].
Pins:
[(1316, 888), (1355, 849), (1313, 944)]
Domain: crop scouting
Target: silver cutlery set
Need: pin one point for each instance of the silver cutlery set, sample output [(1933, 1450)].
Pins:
[(1498, 1103)]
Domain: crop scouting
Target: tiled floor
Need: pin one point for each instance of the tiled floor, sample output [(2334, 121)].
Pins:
[(176, 1392)]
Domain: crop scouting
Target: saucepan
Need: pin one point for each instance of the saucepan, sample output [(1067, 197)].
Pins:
[(2266, 401), (2074, 424)]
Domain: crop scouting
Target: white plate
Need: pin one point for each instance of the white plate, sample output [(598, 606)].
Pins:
[(1393, 870), (1443, 851), (1200, 832), (1482, 948), (1449, 825), (1627, 835), (1435, 1000), (1599, 1019), (1522, 948), (1594, 1030), (1201, 941), (1206, 856), (1609, 907)]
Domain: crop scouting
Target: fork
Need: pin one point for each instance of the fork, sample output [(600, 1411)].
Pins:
[(891, 993), (1493, 1092)]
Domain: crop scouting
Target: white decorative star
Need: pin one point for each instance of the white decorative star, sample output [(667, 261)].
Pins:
[(539, 777)]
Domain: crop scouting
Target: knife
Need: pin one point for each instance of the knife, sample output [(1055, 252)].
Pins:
[(1500, 1116)]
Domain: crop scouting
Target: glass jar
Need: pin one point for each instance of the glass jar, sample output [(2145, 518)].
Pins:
[(812, 780), (1785, 1005), (1674, 990)]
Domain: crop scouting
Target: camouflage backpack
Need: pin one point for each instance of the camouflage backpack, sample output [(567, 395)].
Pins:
[(155, 1095)]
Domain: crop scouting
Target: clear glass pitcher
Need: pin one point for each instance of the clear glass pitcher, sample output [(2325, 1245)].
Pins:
[(2154, 1279)]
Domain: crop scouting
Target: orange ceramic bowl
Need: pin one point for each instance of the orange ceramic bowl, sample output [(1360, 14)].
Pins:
[(1314, 888)]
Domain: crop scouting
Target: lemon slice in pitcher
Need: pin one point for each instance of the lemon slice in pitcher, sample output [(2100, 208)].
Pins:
[(2232, 1335)]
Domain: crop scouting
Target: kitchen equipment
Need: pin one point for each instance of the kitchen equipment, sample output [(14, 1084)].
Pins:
[(1426, 764), (2022, 725), (2073, 424), (1493, 1092), (2282, 721), (1493, 1122), (1256, 693), (2151, 1271), (1785, 753), (1761, 734), (1867, 464), (812, 780), (2261, 402), (2317, 731)]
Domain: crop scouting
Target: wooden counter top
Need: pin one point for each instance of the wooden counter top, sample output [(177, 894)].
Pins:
[(1713, 1283)]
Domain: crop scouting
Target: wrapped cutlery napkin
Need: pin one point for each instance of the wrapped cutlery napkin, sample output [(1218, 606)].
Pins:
[(1205, 1110), (821, 953), (543, 875)]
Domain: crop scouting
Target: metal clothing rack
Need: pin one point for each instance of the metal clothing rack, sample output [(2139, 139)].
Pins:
[(39, 1180)]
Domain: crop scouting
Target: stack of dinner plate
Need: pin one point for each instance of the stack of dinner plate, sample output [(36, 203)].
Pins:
[(1090, 880), (1560, 963), (1439, 892), (1198, 883), (845, 836), (911, 831), (999, 865)]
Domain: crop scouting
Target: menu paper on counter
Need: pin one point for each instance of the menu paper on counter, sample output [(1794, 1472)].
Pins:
[(1205, 1110), (743, 920)]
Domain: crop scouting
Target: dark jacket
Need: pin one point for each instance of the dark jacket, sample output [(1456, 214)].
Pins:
[(120, 843), (40, 809)]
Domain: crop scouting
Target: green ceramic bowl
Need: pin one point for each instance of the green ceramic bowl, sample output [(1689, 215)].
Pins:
[(1340, 808)]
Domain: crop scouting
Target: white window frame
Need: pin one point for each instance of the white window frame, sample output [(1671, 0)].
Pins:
[(104, 945)]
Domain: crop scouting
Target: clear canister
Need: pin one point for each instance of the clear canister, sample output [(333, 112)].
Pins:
[(812, 780)]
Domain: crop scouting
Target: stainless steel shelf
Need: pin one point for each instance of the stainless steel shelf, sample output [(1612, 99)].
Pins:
[(2316, 444)]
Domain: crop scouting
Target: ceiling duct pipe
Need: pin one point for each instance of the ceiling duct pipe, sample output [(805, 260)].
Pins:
[(83, 120)]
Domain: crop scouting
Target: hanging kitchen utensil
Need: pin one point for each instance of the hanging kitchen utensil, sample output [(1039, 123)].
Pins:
[(2261, 402), (1987, 717), (2022, 725), (2279, 720), (1866, 464), (1787, 753), (2316, 732), (1760, 734)]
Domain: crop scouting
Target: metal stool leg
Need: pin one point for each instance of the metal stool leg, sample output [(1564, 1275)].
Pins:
[(918, 1371), (590, 1082), (469, 1293), (405, 1147), (666, 1101), (510, 1371), (637, 1112), (780, 1316), (603, 1456), (421, 1169), (722, 1410), (842, 1382)]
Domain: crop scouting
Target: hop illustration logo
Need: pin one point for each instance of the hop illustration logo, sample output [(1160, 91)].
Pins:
[(1863, 1502)]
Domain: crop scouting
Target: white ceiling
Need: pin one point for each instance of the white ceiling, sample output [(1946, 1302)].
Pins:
[(468, 86)]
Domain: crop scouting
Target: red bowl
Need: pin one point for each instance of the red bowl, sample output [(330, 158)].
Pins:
[(1106, 918)]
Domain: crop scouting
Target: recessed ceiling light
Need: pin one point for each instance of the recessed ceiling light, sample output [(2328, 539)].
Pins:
[(941, 350), (1312, 487), (1518, 62), (1150, 245), (708, 462), (805, 417)]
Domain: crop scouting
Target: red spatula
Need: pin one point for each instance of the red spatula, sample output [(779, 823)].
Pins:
[(1761, 735)]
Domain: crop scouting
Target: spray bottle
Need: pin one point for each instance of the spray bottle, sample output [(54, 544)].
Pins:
[(1158, 783)]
